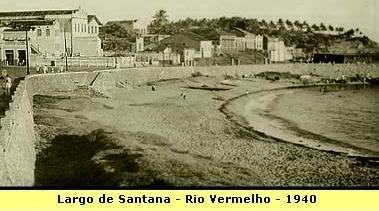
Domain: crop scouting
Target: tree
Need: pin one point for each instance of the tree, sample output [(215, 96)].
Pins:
[(263, 24), (322, 27), (340, 29), (160, 19), (315, 27), (280, 23), (272, 25), (289, 24), (331, 28), (297, 24)]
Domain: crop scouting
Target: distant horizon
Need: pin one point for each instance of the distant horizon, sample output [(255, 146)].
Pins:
[(345, 13)]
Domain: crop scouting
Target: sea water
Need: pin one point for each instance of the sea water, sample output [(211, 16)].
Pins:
[(346, 114)]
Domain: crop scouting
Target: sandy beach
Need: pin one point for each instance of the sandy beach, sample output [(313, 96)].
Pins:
[(157, 138)]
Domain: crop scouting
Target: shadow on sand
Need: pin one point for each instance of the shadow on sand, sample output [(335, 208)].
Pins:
[(91, 160)]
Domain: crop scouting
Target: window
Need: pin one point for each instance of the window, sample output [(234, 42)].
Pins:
[(82, 28), (39, 32), (76, 28), (47, 32), (89, 29), (95, 30), (92, 30)]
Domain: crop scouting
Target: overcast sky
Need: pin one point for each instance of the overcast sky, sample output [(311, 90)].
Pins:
[(347, 13)]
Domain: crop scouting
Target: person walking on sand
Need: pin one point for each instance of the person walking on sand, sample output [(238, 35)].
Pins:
[(183, 95)]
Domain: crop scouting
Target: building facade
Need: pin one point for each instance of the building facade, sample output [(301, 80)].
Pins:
[(233, 43), (53, 33)]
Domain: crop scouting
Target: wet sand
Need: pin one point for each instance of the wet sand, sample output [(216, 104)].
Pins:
[(157, 138)]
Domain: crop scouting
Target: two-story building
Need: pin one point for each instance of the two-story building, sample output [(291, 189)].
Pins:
[(50, 33)]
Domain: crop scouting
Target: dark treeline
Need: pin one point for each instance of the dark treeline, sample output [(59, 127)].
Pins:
[(294, 33)]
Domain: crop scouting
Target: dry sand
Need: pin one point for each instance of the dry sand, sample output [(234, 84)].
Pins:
[(147, 138)]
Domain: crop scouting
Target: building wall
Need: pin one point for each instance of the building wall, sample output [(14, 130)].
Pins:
[(228, 43), (70, 28), (206, 49), (140, 44), (250, 41), (87, 46), (276, 50), (189, 57), (259, 42)]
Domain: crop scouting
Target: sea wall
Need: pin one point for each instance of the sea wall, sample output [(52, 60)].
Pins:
[(17, 153), (17, 135)]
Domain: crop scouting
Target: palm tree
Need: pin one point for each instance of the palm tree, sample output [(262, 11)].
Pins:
[(161, 17), (289, 24), (297, 24), (280, 22), (272, 25), (159, 20), (322, 27)]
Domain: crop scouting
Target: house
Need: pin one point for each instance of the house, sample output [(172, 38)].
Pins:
[(252, 41), (190, 45), (232, 43), (277, 51), (133, 25), (189, 57), (50, 33)]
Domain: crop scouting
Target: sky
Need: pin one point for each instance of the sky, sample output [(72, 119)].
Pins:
[(347, 13)]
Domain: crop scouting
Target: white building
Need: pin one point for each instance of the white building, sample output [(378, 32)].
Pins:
[(234, 43), (206, 49), (51, 34), (139, 44), (254, 41), (276, 50), (189, 55)]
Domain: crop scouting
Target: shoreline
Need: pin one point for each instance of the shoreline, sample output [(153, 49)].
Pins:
[(179, 142), (286, 134)]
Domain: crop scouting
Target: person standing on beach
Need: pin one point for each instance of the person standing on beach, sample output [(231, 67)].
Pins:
[(8, 85), (60, 69), (45, 69)]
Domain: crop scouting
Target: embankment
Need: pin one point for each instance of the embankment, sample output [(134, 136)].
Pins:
[(17, 135)]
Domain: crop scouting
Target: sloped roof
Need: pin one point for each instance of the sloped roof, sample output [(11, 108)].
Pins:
[(37, 13), (93, 17), (182, 40)]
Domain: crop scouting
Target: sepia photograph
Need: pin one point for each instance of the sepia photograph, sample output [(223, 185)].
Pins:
[(189, 94)]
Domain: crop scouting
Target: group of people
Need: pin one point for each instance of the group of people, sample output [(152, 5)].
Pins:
[(7, 84), (45, 69)]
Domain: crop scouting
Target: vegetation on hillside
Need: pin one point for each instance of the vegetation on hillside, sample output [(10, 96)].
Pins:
[(310, 37)]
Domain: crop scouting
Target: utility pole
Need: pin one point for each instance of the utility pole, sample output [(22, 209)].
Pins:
[(214, 53), (115, 50), (65, 47), (163, 58), (27, 51)]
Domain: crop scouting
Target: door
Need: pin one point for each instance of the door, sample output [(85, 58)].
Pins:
[(21, 57), (9, 54)]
